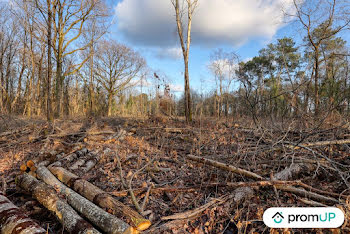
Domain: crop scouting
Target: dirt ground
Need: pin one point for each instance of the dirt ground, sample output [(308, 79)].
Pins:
[(153, 154)]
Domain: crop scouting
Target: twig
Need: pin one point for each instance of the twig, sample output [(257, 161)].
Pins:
[(131, 192), (121, 172), (145, 200)]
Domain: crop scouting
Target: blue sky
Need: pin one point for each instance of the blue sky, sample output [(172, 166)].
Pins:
[(242, 26)]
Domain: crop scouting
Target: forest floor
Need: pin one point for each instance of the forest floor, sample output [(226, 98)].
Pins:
[(162, 161)]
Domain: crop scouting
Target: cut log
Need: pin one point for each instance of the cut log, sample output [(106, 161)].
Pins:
[(90, 162), (81, 161), (105, 221), (226, 167), (100, 197), (48, 197), (70, 157), (12, 219)]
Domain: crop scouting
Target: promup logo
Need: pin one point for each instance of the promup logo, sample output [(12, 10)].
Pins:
[(278, 217), (303, 217)]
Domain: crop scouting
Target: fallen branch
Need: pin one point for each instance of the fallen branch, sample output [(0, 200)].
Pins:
[(12, 219), (48, 197), (337, 195), (226, 167), (322, 143), (99, 197), (193, 189), (237, 196), (312, 195), (107, 222), (194, 212)]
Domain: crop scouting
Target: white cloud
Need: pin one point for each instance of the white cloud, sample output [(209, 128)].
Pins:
[(152, 22), (176, 88), (169, 53)]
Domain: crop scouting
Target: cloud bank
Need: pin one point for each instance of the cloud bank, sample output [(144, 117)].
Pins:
[(232, 22), (169, 53)]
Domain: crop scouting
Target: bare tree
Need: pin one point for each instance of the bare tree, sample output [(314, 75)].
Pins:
[(49, 62), (185, 41), (321, 20), (223, 66), (69, 23), (115, 66)]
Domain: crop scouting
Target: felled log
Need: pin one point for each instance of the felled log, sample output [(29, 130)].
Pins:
[(91, 161), (100, 218), (70, 157), (48, 197), (100, 197), (82, 160), (12, 219), (226, 167)]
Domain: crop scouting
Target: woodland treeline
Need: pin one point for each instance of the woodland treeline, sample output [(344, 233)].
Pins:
[(57, 59)]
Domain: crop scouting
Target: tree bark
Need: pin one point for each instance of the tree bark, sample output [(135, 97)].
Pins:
[(12, 219), (105, 221), (49, 64), (100, 197), (48, 197), (110, 101)]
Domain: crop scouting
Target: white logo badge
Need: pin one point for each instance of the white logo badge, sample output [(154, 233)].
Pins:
[(303, 217)]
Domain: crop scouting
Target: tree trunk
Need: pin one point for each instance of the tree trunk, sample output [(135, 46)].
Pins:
[(110, 102), (48, 197), (12, 219), (316, 82), (59, 60), (58, 88), (105, 221), (91, 85), (49, 64), (188, 112), (99, 197), (185, 50)]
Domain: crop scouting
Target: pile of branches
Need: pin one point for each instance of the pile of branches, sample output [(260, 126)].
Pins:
[(121, 177)]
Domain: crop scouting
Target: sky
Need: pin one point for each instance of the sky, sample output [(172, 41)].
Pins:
[(241, 26)]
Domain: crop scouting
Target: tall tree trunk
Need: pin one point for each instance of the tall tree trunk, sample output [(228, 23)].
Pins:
[(49, 64), (59, 62), (91, 87), (110, 102), (316, 82), (188, 112), (185, 49)]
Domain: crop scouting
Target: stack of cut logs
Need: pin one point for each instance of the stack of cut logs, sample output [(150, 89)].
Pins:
[(70, 198)]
